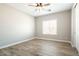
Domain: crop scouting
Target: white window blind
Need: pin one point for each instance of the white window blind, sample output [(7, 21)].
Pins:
[(50, 27)]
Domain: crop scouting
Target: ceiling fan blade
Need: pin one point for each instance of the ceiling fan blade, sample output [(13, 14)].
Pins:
[(47, 4)]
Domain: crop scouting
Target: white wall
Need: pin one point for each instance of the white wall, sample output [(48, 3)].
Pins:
[(73, 26), (14, 25), (77, 27), (63, 25)]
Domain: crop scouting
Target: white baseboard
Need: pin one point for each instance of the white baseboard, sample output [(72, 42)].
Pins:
[(5, 46), (53, 39), (73, 45)]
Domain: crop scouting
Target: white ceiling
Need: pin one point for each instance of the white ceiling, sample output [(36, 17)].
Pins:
[(55, 7)]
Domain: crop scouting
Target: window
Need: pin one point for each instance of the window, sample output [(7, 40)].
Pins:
[(50, 27)]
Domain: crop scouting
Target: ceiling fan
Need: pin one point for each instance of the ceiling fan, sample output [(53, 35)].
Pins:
[(39, 6)]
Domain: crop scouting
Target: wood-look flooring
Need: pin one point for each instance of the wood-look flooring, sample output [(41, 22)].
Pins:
[(39, 47)]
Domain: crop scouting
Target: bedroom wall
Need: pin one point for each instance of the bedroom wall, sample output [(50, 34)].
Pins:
[(14, 25), (75, 26), (63, 25)]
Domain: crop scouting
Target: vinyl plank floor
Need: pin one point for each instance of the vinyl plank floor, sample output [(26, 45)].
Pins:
[(39, 47)]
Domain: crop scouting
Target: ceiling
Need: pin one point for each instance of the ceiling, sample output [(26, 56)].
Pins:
[(54, 7)]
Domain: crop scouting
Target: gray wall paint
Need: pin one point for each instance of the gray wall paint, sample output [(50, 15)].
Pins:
[(63, 25), (14, 25)]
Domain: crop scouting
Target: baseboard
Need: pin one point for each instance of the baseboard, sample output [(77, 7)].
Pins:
[(53, 39), (5, 46), (72, 45)]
